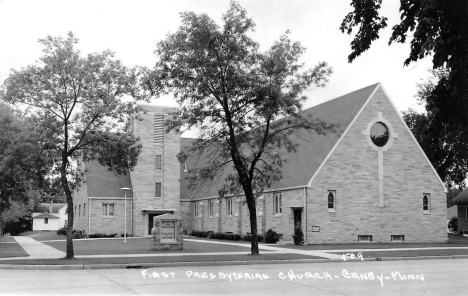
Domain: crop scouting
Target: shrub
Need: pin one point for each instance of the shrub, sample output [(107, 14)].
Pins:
[(75, 234), (62, 231), (103, 235), (453, 224), (128, 235), (298, 236), (248, 237), (271, 237)]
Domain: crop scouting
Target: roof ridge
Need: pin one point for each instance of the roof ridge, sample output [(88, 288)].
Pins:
[(347, 94)]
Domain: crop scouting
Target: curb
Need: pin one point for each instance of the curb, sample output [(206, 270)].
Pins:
[(214, 263)]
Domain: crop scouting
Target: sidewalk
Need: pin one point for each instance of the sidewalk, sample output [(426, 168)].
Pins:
[(110, 253), (38, 250)]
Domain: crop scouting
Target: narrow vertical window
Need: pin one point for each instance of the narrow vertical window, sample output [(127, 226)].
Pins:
[(229, 207), (79, 211), (331, 200), (195, 209), (46, 220), (157, 189), (426, 202), (277, 203), (158, 162), (84, 210), (210, 208)]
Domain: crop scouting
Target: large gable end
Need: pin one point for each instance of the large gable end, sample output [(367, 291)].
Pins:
[(412, 137)]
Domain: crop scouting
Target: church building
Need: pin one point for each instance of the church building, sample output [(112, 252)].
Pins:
[(369, 181)]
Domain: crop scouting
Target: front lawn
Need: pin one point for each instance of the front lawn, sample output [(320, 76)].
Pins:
[(138, 246), (10, 248)]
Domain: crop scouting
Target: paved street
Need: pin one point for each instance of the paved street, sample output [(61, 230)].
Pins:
[(411, 277)]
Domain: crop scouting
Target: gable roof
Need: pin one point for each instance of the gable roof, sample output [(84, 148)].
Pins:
[(101, 182), (462, 197), (45, 207), (312, 149), (46, 215)]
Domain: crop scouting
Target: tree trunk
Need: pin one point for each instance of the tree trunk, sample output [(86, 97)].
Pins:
[(1, 223), (66, 188), (253, 224)]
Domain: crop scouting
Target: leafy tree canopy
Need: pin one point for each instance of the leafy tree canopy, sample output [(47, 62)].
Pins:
[(444, 144), (23, 166), (439, 28), (234, 96), (79, 108)]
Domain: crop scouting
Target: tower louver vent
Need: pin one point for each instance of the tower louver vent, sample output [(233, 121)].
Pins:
[(159, 129)]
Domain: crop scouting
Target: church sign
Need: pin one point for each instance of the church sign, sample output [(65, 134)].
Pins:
[(167, 233), (168, 230)]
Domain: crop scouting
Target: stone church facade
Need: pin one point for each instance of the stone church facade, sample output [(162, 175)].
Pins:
[(369, 181)]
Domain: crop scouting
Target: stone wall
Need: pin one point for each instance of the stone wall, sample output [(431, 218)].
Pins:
[(186, 214), (239, 221), (80, 197), (145, 173), (353, 169)]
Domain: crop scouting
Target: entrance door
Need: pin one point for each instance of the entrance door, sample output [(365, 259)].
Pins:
[(151, 222), (297, 218)]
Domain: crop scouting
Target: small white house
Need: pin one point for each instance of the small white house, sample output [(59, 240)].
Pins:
[(49, 216)]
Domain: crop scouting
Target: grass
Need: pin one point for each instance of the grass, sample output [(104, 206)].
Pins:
[(137, 246), (10, 248)]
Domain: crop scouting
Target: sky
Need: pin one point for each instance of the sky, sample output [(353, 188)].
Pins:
[(133, 28)]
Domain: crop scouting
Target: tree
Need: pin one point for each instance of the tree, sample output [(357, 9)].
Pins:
[(440, 30), (77, 104), (442, 146), (444, 143), (23, 167), (451, 194), (244, 103)]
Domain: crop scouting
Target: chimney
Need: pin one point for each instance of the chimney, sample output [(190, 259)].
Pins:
[(51, 208)]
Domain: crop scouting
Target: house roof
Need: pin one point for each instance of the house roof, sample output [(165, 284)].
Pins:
[(102, 182), (462, 197), (46, 215), (313, 148), (45, 207)]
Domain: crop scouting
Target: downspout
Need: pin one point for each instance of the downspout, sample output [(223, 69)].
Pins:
[(131, 216), (89, 215), (305, 216)]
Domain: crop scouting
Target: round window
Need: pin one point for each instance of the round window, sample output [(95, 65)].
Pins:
[(379, 134)]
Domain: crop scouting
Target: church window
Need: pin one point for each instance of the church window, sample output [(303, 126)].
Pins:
[(331, 200), (277, 203), (158, 162), (157, 189), (210, 208), (379, 134), (108, 210), (195, 209), (229, 207), (426, 204)]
